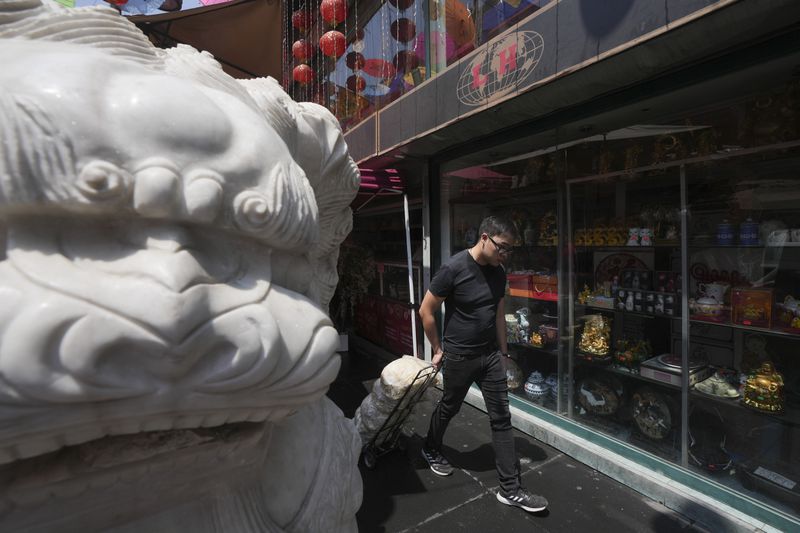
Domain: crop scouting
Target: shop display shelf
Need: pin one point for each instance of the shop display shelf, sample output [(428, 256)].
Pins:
[(629, 313), (755, 246), (789, 416), (791, 333), (587, 248), (530, 295), (528, 346)]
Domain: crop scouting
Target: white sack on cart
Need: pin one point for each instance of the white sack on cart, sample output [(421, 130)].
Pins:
[(395, 380)]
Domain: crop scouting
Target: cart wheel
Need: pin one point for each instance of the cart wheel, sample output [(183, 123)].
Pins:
[(370, 460)]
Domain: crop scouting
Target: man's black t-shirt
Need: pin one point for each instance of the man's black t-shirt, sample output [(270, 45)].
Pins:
[(471, 293)]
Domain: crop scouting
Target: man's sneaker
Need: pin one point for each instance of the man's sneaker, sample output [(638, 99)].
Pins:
[(522, 498), (437, 462)]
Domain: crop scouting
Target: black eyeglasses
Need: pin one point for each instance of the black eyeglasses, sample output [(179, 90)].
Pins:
[(502, 249)]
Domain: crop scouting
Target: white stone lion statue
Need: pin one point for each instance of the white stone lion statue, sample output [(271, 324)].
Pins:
[(168, 246)]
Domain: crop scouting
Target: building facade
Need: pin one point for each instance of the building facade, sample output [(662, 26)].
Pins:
[(648, 153)]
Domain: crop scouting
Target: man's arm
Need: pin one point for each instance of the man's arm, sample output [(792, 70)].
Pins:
[(500, 324), (427, 310)]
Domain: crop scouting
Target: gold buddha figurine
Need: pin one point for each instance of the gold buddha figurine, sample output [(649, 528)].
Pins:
[(583, 296), (763, 389), (596, 337), (536, 339)]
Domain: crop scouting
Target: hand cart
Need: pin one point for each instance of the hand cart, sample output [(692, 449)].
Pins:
[(387, 438)]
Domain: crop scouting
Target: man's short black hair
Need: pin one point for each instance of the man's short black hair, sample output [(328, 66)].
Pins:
[(495, 225)]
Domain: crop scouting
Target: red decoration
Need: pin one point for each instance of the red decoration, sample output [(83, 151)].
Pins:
[(356, 83), (303, 74), (378, 68), (302, 50), (333, 11), (402, 4), (405, 60), (332, 43), (355, 61), (300, 20), (360, 34), (403, 30), (117, 2)]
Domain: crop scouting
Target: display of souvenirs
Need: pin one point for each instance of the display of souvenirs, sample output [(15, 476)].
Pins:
[(717, 385), (600, 395), (600, 236), (668, 367), (535, 387), (549, 331), (548, 230), (763, 389), (513, 332), (596, 337), (514, 374), (788, 313), (752, 307), (652, 413), (584, 295), (640, 237), (630, 353), (536, 340)]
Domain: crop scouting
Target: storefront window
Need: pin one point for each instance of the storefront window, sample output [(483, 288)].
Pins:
[(524, 192), (678, 287)]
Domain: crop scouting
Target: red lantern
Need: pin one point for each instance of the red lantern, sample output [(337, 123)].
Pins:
[(333, 11), (402, 4), (355, 61), (403, 30), (332, 43), (300, 20), (302, 50), (356, 83), (303, 74)]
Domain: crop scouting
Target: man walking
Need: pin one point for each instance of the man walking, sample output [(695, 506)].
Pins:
[(473, 283)]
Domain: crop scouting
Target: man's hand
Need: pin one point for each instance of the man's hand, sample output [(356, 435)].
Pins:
[(436, 360)]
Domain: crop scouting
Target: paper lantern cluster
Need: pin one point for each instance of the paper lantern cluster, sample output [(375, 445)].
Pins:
[(332, 43), (404, 31)]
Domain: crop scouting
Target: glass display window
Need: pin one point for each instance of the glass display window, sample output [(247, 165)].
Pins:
[(524, 192), (744, 285), (625, 277), (656, 284)]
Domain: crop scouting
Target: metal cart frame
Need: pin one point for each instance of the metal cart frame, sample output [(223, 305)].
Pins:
[(387, 438)]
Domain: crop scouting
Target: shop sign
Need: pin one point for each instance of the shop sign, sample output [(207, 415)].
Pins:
[(500, 67)]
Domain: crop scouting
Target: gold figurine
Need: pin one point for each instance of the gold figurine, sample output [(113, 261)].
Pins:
[(764, 389), (596, 336)]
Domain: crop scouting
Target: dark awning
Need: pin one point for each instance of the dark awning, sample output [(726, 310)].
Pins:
[(243, 35)]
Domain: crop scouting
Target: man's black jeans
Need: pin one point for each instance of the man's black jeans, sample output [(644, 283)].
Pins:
[(487, 371)]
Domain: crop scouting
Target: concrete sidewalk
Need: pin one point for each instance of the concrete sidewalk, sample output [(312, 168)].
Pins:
[(402, 494)]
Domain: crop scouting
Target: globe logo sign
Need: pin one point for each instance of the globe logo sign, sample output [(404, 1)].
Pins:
[(496, 70)]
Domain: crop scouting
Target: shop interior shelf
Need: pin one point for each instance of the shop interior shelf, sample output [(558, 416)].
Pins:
[(767, 331), (607, 366), (529, 295), (789, 416), (629, 313), (585, 248), (733, 246), (528, 346)]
